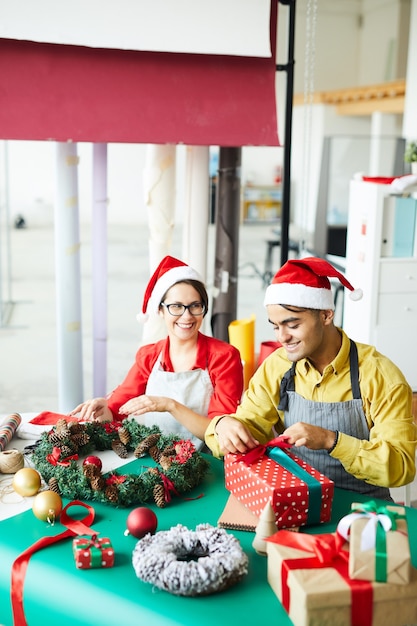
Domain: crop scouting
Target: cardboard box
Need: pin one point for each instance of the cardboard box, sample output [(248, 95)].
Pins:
[(298, 493), (370, 558), (93, 552), (315, 589)]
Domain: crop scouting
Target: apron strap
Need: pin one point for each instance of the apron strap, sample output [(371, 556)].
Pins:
[(288, 384)]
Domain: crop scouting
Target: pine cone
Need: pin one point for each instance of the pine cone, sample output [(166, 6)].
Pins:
[(76, 427), (80, 439), (66, 451), (165, 462), (155, 453), (98, 483), (153, 470), (159, 496), (169, 451), (112, 493), (62, 427), (124, 435), (144, 446), (57, 438), (91, 471), (119, 448), (53, 485)]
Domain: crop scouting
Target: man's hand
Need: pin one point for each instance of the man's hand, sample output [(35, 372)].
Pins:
[(310, 436), (233, 436)]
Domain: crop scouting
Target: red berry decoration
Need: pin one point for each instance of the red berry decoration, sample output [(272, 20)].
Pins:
[(141, 521), (93, 460)]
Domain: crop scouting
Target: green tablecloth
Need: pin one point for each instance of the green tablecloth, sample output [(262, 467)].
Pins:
[(56, 592)]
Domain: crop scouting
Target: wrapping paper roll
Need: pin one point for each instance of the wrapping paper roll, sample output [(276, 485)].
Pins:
[(242, 336), (267, 347), (8, 429)]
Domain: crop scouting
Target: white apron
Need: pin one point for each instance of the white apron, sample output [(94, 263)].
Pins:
[(192, 388)]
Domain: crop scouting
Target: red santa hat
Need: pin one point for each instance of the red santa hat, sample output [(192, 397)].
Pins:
[(169, 272), (305, 283)]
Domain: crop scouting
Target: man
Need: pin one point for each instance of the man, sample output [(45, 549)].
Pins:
[(344, 407)]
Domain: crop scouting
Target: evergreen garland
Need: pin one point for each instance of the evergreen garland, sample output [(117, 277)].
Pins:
[(175, 465)]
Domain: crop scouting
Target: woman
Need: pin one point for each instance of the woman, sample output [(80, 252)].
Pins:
[(182, 381)]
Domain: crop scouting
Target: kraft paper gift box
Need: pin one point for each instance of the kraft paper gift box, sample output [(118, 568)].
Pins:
[(299, 494), (309, 575), (379, 542), (93, 552)]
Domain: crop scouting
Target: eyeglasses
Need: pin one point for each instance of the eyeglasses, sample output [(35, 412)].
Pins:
[(176, 309)]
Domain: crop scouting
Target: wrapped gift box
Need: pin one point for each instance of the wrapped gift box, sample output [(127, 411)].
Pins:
[(377, 554), (93, 552), (315, 592), (298, 493)]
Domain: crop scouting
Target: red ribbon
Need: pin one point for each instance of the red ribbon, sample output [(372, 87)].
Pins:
[(327, 550), (53, 458), (259, 451), (73, 528), (168, 487)]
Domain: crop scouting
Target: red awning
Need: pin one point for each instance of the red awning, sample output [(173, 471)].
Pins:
[(61, 93)]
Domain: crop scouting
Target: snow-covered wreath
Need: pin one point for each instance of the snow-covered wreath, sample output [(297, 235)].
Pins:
[(174, 467), (190, 563)]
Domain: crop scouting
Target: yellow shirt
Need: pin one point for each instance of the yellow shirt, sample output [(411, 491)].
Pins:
[(388, 458)]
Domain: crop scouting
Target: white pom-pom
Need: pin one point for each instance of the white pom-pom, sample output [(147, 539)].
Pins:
[(142, 318), (356, 294)]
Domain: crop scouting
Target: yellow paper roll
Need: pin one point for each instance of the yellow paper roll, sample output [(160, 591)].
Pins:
[(242, 336)]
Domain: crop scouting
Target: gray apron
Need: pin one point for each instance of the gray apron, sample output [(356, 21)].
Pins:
[(346, 417), (192, 388)]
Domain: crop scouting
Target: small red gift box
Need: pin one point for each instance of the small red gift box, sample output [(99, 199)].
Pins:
[(93, 552), (299, 494)]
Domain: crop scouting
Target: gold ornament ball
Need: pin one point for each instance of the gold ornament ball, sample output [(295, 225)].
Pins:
[(47, 506), (26, 482)]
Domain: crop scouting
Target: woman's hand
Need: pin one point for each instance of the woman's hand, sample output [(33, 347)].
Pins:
[(144, 404), (95, 410)]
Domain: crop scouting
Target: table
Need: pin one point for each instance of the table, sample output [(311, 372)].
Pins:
[(56, 592)]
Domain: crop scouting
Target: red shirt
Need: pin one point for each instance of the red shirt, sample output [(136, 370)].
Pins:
[(220, 359)]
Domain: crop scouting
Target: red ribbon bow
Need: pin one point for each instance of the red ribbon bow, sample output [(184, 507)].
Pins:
[(168, 487), (328, 552), (53, 458), (259, 451)]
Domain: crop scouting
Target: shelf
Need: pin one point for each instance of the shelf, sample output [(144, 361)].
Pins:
[(261, 203)]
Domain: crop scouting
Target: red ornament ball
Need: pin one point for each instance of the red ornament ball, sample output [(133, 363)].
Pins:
[(141, 521), (93, 460)]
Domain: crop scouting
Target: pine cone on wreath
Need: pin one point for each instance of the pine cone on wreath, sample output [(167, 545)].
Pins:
[(76, 427), (146, 444), (57, 438), (98, 483), (119, 448), (53, 485), (66, 451), (165, 462), (80, 439), (91, 471), (155, 453), (159, 496), (112, 493), (124, 435), (62, 427)]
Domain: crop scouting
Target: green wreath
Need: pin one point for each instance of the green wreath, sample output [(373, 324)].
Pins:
[(177, 466)]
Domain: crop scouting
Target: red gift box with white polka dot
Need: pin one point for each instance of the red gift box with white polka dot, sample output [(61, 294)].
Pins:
[(93, 552), (265, 481)]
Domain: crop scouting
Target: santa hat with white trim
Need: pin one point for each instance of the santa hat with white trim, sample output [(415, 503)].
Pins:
[(169, 272), (305, 283)]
